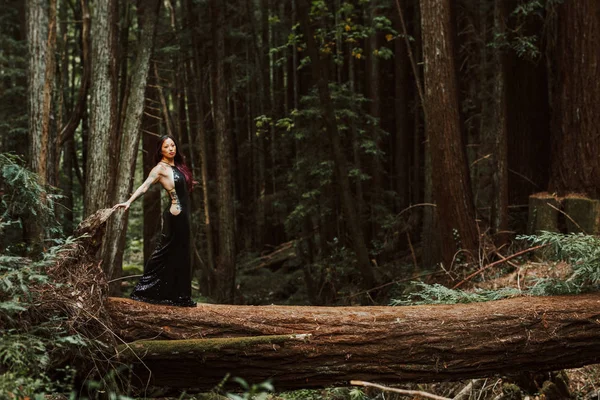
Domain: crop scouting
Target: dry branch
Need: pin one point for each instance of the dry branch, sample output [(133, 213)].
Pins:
[(417, 393), (502, 261)]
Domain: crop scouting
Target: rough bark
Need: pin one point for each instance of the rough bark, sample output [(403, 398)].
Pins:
[(199, 148), (319, 346), (103, 108), (500, 174), (451, 183), (373, 82), (41, 40), (341, 168), (386, 344), (117, 227), (41, 46), (402, 134), (151, 200), (576, 100), (68, 130), (258, 142), (226, 268), (544, 209)]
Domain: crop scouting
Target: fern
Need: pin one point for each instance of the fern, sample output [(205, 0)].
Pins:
[(581, 251), (439, 294), (24, 198)]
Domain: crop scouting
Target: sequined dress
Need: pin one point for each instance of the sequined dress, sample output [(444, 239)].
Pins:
[(167, 275)]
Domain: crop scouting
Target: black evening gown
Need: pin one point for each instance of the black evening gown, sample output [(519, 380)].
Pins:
[(167, 275)]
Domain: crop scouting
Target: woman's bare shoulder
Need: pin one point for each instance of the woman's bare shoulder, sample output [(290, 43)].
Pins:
[(160, 168)]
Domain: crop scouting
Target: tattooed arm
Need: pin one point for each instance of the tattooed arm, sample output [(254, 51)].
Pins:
[(153, 177), (175, 204)]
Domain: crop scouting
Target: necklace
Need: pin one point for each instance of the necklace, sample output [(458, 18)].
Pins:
[(167, 163)]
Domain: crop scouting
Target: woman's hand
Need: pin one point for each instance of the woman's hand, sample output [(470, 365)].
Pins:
[(122, 205)]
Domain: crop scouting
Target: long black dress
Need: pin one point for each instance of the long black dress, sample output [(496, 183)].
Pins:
[(167, 275)]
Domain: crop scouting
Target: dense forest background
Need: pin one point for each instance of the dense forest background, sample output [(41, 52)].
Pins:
[(349, 144), (346, 152)]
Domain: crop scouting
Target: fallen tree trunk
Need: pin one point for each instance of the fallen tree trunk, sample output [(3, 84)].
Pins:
[(383, 344)]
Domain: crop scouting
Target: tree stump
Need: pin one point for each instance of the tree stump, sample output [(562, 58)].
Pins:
[(583, 214), (543, 213)]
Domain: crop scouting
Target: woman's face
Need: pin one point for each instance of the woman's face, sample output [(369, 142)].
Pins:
[(168, 149)]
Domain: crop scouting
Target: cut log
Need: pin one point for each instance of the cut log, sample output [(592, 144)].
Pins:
[(383, 344)]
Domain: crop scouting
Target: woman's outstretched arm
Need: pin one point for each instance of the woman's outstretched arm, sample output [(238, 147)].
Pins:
[(153, 177)]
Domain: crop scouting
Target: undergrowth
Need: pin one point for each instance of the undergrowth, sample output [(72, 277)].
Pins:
[(580, 251)]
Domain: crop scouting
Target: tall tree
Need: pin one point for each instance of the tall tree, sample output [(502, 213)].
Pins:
[(68, 130), (41, 29), (115, 236), (319, 75), (225, 267), (450, 175), (402, 135), (576, 99), (199, 148), (41, 41), (500, 167), (103, 107), (373, 73)]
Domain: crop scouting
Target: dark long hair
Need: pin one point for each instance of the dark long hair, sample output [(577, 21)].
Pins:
[(179, 160)]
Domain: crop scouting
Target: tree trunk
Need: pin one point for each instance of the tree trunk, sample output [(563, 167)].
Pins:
[(258, 141), (151, 200), (68, 130), (451, 184), (386, 344), (358, 186), (341, 168), (103, 108), (41, 44), (226, 268), (199, 148), (117, 227), (41, 41), (500, 167), (576, 100), (402, 134)]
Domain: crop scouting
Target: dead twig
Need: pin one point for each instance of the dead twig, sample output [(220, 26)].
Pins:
[(568, 216), (401, 391), (498, 262)]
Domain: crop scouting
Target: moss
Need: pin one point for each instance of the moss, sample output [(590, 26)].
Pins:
[(510, 391), (584, 215), (165, 349), (543, 213)]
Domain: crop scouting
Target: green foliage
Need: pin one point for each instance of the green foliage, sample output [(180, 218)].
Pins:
[(26, 350), (311, 180), (29, 344), (13, 85), (341, 33), (581, 251), (339, 393), (258, 391), (439, 294), (24, 198), (518, 39)]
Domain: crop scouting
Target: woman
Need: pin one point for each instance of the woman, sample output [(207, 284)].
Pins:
[(167, 275)]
